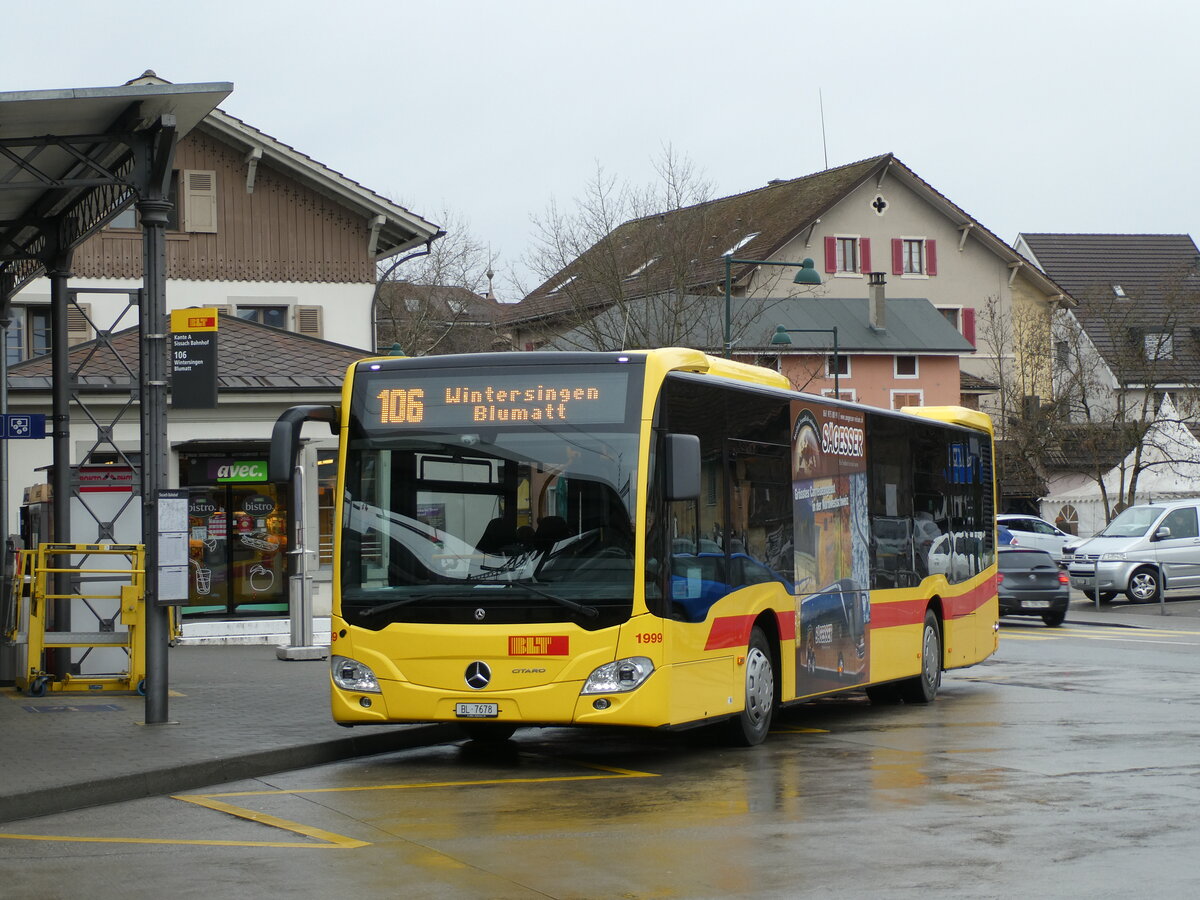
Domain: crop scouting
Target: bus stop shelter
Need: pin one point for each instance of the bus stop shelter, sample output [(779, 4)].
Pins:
[(70, 161)]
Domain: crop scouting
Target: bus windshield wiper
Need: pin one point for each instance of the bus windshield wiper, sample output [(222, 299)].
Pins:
[(582, 608), (396, 604)]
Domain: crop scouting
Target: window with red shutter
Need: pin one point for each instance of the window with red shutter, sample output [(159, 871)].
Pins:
[(830, 254), (865, 254), (897, 256), (931, 257), (968, 325)]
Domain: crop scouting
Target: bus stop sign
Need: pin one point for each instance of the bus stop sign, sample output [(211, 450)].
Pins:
[(24, 425)]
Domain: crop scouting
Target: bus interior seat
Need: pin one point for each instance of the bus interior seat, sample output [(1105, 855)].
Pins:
[(496, 536), (551, 530)]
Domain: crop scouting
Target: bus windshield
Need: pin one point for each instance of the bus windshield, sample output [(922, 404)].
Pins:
[(517, 523)]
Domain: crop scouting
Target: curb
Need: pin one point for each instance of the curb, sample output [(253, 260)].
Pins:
[(190, 776)]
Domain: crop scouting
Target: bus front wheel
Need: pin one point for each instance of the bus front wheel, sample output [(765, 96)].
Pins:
[(750, 726), (924, 687)]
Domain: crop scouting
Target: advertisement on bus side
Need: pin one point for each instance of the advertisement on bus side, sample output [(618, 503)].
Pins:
[(829, 503)]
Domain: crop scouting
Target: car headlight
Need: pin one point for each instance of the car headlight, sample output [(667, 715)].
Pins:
[(351, 675), (622, 675), (1104, 556)]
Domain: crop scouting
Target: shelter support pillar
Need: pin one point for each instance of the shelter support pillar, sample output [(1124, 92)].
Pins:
[(59, 272), (153, 408)]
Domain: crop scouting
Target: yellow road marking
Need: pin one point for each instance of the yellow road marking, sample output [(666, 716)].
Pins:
[(330, 840), (1127, 635), (799, 731)]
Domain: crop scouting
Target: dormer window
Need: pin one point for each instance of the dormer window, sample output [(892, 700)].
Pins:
[(1159, 345), (1118, 290)]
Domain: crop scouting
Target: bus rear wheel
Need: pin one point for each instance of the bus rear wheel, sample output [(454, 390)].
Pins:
[(924, 687), (750, 726)]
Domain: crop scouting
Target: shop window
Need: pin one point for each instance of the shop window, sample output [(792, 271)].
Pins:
[(237, 547)]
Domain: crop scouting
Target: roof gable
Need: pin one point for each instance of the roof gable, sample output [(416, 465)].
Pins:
[(398, 228)]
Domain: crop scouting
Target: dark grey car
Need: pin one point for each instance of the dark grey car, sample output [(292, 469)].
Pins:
[(1030, 583)]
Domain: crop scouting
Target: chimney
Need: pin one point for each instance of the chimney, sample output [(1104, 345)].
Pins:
[(876, 304)]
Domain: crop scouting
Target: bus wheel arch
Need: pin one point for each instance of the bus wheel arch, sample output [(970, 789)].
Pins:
[(923, 687), (760, 681)]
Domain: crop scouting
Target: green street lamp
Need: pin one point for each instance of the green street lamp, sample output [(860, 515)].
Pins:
[(780, 338), (807, 275)]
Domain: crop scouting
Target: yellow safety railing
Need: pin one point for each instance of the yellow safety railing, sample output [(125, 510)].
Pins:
[(106, 582)]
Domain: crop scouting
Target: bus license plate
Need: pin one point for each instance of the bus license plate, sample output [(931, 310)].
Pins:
[(476, 710), (1028, 604)]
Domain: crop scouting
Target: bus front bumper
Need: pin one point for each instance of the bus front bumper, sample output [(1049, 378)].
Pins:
[(551, 704)]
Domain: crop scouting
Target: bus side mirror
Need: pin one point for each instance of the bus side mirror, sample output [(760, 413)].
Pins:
[(683, 466), (285, 438)]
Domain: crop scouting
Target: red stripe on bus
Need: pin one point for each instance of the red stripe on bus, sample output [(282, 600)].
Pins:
[(729, 631), (912, 612), (734, 631)]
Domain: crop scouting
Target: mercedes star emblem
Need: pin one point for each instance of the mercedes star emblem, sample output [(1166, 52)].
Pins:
[(478, 675)]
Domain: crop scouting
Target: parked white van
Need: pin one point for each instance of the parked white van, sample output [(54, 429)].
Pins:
[(1145, 550)]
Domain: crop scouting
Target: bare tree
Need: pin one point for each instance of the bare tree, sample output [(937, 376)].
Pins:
[(439, 301), (637, 267)]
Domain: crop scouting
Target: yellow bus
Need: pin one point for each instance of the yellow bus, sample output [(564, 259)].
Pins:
[(653, 538)]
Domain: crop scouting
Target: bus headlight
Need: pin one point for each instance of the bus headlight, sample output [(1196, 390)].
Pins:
[(351, 675), (622, 675)]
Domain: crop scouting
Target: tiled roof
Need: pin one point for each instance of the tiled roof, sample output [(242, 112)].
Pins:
[(756, 224), (250, 357), (973, 384), (774, 214), (1095, 447), (1081, 263), (913, 325), (1129, 285), (472, 308)]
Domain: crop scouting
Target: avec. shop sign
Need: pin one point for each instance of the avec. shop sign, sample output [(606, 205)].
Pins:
[(225, 471)]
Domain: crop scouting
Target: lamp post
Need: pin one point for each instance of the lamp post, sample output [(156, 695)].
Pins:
[(807, 275), (780, 338)]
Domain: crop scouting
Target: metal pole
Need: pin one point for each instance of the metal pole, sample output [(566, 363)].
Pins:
[(61, 403), (153, 317), (7, 653), (59, 660), (837, 367), (728, 314), (300, 583)]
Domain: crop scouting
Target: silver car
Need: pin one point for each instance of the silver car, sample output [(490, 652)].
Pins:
[(1145, 550)]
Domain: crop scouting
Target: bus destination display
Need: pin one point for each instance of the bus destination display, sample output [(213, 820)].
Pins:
[(565, 398)]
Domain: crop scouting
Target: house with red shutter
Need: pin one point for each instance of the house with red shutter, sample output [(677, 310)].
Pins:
[(662, 279)]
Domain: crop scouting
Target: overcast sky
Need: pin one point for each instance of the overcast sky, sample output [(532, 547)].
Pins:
[(1031, 116)]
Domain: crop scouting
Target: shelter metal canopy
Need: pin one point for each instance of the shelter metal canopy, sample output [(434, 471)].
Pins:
[(70, 160)]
